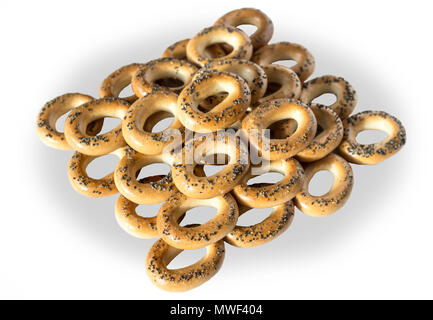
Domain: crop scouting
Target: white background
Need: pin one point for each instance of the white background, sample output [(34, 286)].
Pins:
[(55, 243)]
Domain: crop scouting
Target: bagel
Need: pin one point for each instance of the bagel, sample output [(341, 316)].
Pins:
[(327, 140), (374, 153), (144, 80), (53, 110), (346, 95), (255, 123), (242, 47), (117, 81), (271, 194), (265, 231), (224, 114), (334, 199), (160, 103), (202, 235), (286, 51), (78, 121), (255, 17), (187, 278), (89, 187)]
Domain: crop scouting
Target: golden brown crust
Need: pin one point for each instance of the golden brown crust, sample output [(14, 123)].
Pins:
[(324, 205), (117, 81), (327, 140), (265, 231), (206, 84), (81, 117), (265, 27), (242, 47), (374, 153), (275, 110), (187, 278), (346, 95), (271, 194), (287, 51)]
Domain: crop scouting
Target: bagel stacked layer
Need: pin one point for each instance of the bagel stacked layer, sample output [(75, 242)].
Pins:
[(231, 105)]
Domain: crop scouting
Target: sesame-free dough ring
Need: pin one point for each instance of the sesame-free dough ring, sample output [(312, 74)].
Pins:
[(255, 17), (224, 114), (53, 110), (87, 186), (202, 235), (374, 153), (287, 51), (267, 230), (242, 47), (346, 95), (327, 140), (178, 50), (249, 71), (290, 85), (272, 111), (148, 192), (144, 80), (271, 194), (200, 186), (119, 80), (78, 121), (334, 199), (159, 102), (187, 278)]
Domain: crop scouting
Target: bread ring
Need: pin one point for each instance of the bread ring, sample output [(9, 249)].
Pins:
[(374, 153), (203, 187), (53, 110), (89, 187), (265, 27), (265, 231), (119, 80), (271, 194), (242, 47), (346, 95), (326, 141), (142, 193), (200, 236), (146, 142), (290, 85), (272, 111), (286, 51), (324, 205), (254, 75), (206, 84), (77, 122), (144, 80), (187, 278), (178, 50)]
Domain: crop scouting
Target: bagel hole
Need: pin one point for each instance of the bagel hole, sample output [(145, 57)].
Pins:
[(326, 99), (319, 130), (187, 258), (198, 215), (211, 169), (148, 211), (109, 124), (60, 123), (223, 50), (126, 92), (163, 124), (272, 88), (286, 63), (371, 136), (210, 102), (169, 82), (268, 177), (154, 169), (321, 183), (102, 166), (283, 128), (249, 29), (253, 216)]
